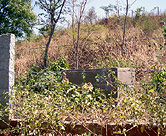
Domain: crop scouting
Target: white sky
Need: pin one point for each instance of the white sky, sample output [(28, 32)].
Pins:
[(148, 4)]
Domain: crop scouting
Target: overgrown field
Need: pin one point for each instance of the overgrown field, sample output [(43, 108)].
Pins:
[(46, 102)]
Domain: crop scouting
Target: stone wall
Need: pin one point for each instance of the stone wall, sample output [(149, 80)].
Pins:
[(7, 53)]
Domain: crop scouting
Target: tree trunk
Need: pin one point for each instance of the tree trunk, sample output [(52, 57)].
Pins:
[(124, 28), (77, 46), (47, 45)]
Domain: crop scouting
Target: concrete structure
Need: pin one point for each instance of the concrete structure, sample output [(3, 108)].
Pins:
[(107, 78), (7, 53)]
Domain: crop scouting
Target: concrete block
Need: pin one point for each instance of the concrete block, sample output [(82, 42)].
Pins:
[(7, 53), (106, 78)]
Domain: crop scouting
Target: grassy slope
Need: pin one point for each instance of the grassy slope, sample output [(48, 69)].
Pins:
[(138, 54)]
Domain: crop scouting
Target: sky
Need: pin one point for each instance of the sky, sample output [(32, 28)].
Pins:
[(148, 4)]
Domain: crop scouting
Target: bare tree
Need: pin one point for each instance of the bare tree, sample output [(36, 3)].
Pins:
[(81, 11), (124, 25), (91, 15), (77, 9), (53, 10)]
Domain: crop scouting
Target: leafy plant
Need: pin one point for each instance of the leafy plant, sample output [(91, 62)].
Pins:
[(49, 111), (60, 102), (139, 12), (159, 81), (164, 32), (37, 79)]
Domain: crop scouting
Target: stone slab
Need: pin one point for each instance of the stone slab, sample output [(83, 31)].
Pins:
[(106, 78)]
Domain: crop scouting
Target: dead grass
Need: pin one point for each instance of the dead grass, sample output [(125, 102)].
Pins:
[(95, 44)]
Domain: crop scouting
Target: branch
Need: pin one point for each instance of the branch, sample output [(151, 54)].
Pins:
[(43, 5), (57, 1), (82, 9), (124, 29), (60, 12), (132, 3)]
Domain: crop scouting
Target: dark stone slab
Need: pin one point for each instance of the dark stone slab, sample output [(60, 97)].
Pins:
[(106, 79)]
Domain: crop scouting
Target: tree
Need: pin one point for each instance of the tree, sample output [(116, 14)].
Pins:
[(16, 17), (124, 25), (139, 12), (77, 10), (91, 15), (107, 10), (112, 8), (52, 10)]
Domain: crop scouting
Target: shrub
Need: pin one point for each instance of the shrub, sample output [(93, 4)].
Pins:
[(38, 79), (159, 81), (164, 32), (60, 102)]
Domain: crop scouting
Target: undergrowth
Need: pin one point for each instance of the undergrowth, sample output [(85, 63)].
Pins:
[(45, 102)]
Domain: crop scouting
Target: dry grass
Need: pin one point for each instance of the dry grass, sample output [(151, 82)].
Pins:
[(141, 53)]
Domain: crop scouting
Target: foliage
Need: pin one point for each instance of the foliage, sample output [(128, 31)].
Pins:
[(37, 79), (44, 30), (49, 111), (139, 12), (60, 102), (86, 32), (114, 62), (110, 8), (147, 23), (16, 17), (159, 80), (107, 10), (164, 32)]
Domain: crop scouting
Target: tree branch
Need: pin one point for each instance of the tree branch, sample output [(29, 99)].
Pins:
[(43, 4), (56, 20)]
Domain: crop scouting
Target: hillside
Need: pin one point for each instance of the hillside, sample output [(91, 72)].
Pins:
[(100, 45)]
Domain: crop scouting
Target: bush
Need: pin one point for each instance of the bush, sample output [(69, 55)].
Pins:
[(164, 32), (148, 24), (59, 102), (38, 79), (159, 81), (48, 111)]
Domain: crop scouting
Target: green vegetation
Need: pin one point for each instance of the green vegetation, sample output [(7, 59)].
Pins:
[(164, 32), (16, 17), (159, 79), (39, 80), (45, 103)]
